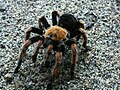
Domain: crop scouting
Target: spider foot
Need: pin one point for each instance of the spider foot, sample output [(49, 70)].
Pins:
[(56, 71), (16, 70), (87, 48), (47, 64), (71, 75), (49, 86), (72, 68), (34, 58)]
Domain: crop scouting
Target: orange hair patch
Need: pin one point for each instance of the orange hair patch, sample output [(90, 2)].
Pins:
[(58, 32)]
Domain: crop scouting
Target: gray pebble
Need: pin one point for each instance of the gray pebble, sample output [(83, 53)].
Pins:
[(8, 77)]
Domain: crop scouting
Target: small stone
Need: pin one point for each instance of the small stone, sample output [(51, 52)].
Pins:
[(2, 46), (2, 10), (9, 77)]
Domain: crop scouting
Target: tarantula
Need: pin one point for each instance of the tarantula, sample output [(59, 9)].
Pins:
[(65, 22)]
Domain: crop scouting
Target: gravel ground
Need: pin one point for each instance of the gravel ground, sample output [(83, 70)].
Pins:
[(101, 70)]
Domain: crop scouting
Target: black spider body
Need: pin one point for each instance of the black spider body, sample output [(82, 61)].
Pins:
[(69, 22)]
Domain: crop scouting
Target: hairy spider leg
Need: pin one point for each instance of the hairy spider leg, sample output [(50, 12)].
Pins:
[(56, 68), (54, 17), (73, 60), (34, 56), (21, 55), (43, 23), (85, 37), (39, 31), (27, 43), (47, 55)]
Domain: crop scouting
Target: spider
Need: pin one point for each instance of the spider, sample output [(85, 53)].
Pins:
[(65, 22)]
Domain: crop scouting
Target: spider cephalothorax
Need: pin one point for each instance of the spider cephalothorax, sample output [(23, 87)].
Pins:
[(61, 25)]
